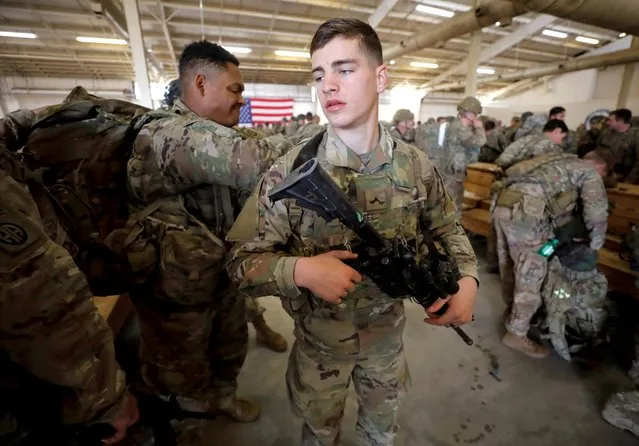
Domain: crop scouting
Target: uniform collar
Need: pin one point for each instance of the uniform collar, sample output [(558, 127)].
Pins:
[(181, 108), (340, 155)]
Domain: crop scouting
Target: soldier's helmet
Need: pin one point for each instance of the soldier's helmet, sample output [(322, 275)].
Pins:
[(470, 104), (403, 115)]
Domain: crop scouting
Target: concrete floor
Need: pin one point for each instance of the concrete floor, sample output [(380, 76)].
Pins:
[(453, 401)]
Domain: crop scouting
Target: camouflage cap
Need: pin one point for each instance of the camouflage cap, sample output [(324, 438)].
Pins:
[(470, 104), (403, 115)]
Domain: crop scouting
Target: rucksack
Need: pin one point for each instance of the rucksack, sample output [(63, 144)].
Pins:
[(83, 146)]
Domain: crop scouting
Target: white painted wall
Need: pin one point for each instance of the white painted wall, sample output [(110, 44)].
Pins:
[(580, 93)]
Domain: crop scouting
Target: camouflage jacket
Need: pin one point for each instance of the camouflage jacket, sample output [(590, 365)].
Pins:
[(625, 149), (14, 132), (507, 136), (306, 131), (461, 147), (178, 153), (410, 196), (408, 137), (49, 325), (490, 151), (526, 148), (534, 125), (556, 186)]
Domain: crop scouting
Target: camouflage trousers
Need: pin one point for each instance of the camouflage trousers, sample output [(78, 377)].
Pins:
[(194, 351), (328, 353), (522, 270), (455, 186)]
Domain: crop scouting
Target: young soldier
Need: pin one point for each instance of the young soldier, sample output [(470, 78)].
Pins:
[(345, 327)]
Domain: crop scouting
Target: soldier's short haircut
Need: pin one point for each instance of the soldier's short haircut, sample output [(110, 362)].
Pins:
[(204, 53), (556, 111), (623, 114), (525, 116), (349, 29), (600, 157), (515, 119), (554, 124), (489, 125)]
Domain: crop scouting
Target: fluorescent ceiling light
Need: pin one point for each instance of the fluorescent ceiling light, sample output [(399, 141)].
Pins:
[(589, 40), (18, 35), (622, 35), (237, 49), (483, 70), (392, 62), (101, 40), (424, 65), (286, 53), (434, 11), (557, 34)]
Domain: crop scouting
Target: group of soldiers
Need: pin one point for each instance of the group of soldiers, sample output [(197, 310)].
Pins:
[(198, 191)]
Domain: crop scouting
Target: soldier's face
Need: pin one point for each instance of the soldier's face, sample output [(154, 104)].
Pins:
[(557, 136), (221, 97), (348, 82)]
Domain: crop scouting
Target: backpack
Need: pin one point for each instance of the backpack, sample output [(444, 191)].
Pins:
[(576, 308), (83, 146)]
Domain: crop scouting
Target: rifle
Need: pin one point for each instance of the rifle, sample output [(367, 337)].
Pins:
[(390, 264)]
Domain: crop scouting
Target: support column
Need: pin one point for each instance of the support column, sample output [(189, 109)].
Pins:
[(138, 52), (626, 80), (473, 59)]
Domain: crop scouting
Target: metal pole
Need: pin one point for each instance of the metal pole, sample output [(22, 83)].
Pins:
[(137, 51), (473, 59)]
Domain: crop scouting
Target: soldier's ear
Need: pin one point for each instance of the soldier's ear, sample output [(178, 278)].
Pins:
[(381, 78), (200, 82)]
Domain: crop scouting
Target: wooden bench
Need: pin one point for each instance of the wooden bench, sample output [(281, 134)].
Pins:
[(115, 310), (624, 200)]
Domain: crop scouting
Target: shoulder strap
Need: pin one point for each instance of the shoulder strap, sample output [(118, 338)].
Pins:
[(309, 151)]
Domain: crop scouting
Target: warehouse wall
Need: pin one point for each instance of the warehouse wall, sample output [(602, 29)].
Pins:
[(580, 93)]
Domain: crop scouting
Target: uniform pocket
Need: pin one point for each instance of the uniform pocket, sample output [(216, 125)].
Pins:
[(190, 266), (533, 206)]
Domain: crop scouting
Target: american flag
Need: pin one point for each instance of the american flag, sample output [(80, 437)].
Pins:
[(260, 110)]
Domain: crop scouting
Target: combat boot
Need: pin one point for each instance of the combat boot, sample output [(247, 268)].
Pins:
[(525, 345), (266, 337), (240, 410), (622, 411)]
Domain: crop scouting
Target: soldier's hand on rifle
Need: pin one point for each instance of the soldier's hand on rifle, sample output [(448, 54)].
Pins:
[(128, 416), (327, 276), (460, 305)]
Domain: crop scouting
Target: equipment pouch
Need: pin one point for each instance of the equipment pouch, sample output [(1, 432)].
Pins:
[(190, 266), (533, 206)]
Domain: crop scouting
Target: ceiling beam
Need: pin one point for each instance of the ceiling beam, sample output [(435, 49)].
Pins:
[(622, 57), (381, 12), (512, 39), (167, 34), (459, 25)]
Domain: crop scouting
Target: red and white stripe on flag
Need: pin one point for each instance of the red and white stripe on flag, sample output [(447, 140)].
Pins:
[(271, 109)]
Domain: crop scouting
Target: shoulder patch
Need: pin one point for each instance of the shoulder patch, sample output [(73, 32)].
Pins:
[(17, 233)]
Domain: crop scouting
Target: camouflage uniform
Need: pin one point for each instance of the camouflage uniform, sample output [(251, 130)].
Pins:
[(526, 148), (507, 136), (534, 125), (306, 131), (183, 174), (361, 338), (490, 151), (461, 145), (625, 149), (541, 190), (49, 327), (427, 138)]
